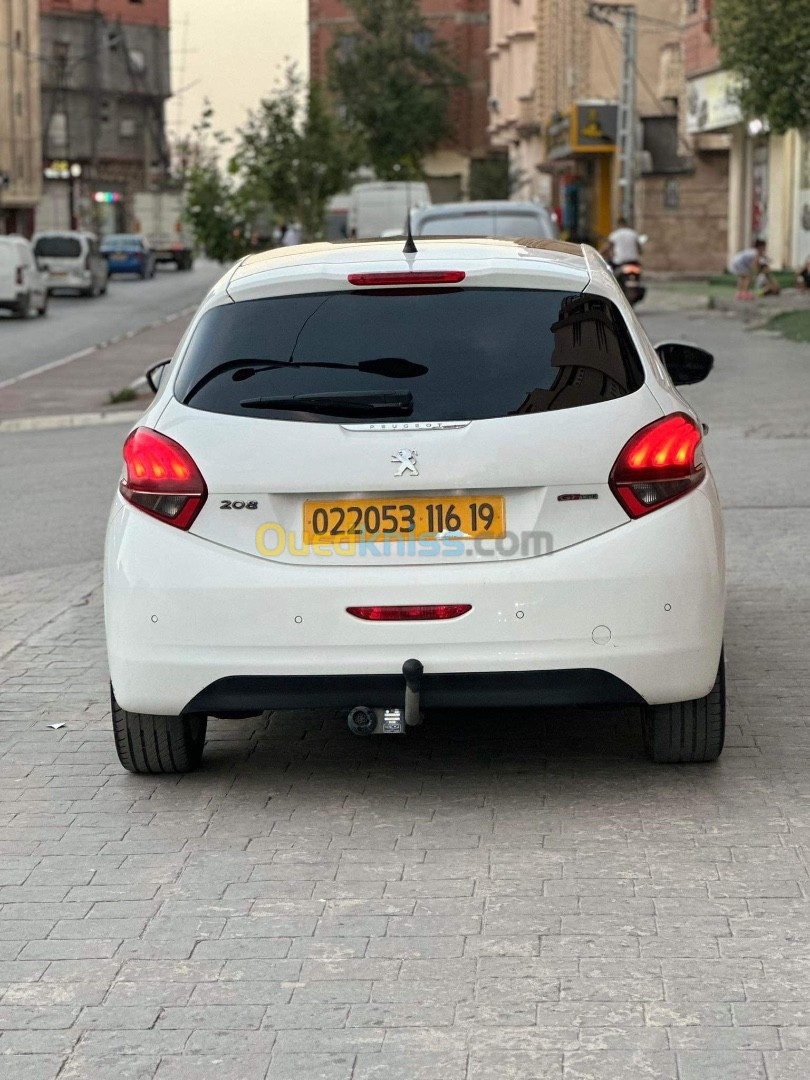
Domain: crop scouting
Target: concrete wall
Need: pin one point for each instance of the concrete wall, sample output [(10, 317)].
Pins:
[(694, 234)]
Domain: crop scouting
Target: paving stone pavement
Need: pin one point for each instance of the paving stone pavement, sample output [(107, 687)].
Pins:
[(496, 897)]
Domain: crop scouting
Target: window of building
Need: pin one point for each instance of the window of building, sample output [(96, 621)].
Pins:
[(57, 130), (137, 61), (128, 128), (692, 7)]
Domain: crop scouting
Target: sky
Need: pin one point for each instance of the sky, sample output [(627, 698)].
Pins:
[(232, 59)]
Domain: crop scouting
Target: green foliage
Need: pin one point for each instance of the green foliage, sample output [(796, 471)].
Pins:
[(493, 178), (290, 157), (794, 325), (393, 82), (212, 207), (213, 214), (767, 43), (293, 155)]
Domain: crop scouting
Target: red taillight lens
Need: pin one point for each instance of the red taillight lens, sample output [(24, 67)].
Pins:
[(162, 478), (659, 464), (410, 613), (415, 277), (19, 276)]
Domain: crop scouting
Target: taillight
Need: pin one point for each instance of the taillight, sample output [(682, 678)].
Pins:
[(162, 478), (410, 612), (415, 277), (659, 464), (19, 276)]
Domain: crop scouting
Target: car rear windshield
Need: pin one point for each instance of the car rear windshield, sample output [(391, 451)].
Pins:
[(435, 354), (120, 243), (487, 224), (58, 247)]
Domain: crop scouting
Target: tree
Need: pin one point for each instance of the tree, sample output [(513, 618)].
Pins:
[(212, 206), (767, 43), (393, 82), (292, 155)]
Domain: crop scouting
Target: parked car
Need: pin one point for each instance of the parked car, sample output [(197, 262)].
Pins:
[(128, 254), (386, 482), (490, 218), (72, 260), (23, 286)]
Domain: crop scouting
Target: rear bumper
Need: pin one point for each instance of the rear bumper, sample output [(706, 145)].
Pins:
[(73, 279), (193, 626), (480, 689)]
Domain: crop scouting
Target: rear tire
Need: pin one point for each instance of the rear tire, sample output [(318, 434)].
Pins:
[(688, 731), (23, 306), (43, 307), (158, 744)]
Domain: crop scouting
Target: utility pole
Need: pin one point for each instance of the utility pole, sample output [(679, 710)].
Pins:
[(628, 121)]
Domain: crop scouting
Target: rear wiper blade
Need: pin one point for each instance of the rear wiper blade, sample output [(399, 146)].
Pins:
[(350, 403)]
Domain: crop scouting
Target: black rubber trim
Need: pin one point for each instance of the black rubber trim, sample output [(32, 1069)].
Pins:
[(251, 694)]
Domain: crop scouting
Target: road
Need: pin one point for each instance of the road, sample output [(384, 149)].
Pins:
[(74, 323), (493, 898)]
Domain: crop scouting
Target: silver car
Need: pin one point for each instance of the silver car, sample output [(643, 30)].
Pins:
[(72, 260), (495, 217)]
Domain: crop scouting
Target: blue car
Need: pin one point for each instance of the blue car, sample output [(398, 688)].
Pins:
[(128, 254)]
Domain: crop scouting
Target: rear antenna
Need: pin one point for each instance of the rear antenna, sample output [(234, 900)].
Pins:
[(410, 247)]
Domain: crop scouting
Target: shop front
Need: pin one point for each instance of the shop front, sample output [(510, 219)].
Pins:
[(580, 158)]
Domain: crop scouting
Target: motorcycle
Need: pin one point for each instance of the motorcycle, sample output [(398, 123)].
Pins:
[(628, 276)]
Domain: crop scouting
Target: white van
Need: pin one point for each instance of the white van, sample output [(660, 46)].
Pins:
[(72, 260), (23, 286), (381, 205)]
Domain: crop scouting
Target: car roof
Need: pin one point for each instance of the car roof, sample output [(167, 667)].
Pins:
[(481, 206), (488, 262)]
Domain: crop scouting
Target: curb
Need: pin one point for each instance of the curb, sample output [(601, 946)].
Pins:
[(76, 420), (96, 348)]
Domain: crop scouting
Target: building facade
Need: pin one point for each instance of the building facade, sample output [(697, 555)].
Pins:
[(555, 89), (767, 193), (20, 166), (464, 25), (105, 80)]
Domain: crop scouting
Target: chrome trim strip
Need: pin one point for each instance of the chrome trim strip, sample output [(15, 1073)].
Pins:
[(429, 425)]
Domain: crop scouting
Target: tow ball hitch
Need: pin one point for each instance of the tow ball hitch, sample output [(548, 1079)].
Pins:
[(364, 720)]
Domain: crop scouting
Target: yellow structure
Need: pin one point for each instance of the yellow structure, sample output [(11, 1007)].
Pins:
[(20, 151)]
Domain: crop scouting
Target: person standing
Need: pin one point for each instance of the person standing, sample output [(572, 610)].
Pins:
[(746, 265)]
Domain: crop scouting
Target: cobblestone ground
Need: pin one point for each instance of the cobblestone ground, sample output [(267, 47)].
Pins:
[(497, 897)]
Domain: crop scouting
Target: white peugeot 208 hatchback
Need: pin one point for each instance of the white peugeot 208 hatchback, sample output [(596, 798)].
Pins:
[(387, 481)]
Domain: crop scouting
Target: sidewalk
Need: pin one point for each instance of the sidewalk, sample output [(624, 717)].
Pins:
[(83, 386)]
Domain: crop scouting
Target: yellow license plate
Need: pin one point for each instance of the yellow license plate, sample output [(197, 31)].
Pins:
[(473, 517)]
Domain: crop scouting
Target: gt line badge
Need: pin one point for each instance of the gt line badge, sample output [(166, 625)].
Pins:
[(406, 459)]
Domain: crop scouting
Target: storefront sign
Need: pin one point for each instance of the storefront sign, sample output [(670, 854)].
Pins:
[(587, 128), (62, 170), (595, 128), (712, 103)]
